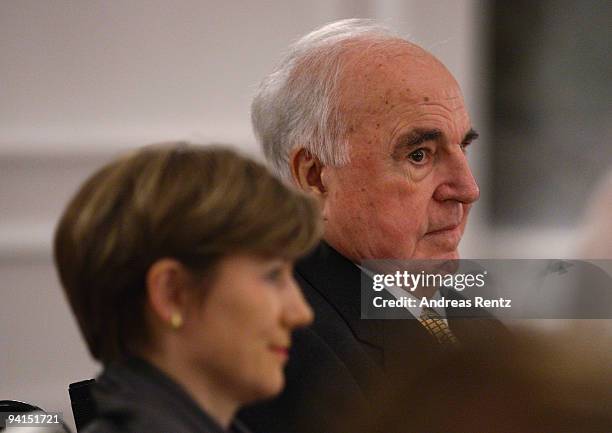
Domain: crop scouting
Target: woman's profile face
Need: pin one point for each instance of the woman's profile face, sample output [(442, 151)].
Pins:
[(239, 335)]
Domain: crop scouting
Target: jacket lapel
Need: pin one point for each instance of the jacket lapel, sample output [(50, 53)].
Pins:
[(338, 280)]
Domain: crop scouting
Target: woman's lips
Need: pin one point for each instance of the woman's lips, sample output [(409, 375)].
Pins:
[(281, 351)]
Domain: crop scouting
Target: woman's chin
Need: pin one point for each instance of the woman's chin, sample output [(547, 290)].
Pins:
[(274, 386), (266, 390)]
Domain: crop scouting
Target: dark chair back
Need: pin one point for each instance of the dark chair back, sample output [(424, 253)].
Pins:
[(81, 400)]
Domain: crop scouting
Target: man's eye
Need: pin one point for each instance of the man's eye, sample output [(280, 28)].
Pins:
[(418, 155)]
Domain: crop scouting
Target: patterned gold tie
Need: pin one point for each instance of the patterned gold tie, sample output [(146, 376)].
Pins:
[(435, 324)]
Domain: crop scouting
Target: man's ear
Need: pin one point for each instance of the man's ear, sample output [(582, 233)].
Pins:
[(167, 290), (306, 170)]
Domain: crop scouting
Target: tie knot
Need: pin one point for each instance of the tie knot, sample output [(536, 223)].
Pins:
[(430, 313)]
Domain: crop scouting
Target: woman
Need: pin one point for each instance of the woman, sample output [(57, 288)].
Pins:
[(177, 263)]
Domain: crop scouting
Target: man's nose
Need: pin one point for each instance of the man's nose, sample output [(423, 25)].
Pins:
[(458, 182), (297, 312)]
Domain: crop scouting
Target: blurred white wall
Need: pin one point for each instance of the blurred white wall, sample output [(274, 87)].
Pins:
[(81, 81)]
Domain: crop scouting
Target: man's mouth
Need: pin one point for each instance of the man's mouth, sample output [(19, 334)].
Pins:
[(444, 230)]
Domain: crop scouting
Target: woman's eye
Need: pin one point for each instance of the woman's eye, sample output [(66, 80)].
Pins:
[(418, 155)]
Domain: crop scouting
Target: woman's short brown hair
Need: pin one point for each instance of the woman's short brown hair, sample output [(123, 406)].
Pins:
[(191, 203)]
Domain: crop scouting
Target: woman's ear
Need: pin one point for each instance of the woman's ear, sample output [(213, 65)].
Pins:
[(168, 293), (306, 170)]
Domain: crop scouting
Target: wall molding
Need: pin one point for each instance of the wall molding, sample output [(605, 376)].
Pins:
[(38, 177)]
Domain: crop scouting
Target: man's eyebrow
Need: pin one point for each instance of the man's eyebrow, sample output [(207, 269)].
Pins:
[(418, 136), (470, 136), (415, 137)]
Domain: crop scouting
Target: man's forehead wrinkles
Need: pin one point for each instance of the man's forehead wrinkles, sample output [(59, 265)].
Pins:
[(444, 121), (434, 105), (448, 104), (448, 109), (382, 98)]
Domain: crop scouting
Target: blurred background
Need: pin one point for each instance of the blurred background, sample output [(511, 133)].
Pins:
[(82, 81)]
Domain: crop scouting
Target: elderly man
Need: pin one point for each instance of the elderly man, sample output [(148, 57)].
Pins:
[(376, 128)]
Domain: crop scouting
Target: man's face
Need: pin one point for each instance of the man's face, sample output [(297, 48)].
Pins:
[(407, 190)]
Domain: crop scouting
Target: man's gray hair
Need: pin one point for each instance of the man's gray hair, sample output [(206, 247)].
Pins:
[(297, 104)]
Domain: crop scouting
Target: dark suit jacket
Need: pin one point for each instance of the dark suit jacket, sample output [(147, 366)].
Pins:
[(338, 365), (135, 397)]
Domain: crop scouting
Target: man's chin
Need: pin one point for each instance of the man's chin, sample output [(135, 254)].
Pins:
[(424, 254), (453, 255)]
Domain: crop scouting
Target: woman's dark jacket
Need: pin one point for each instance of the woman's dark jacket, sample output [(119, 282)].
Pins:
[(136, 397)]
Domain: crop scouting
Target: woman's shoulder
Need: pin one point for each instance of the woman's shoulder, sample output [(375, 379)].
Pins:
[(142, 421), (138, 424), (103, 426), (135, 397)]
